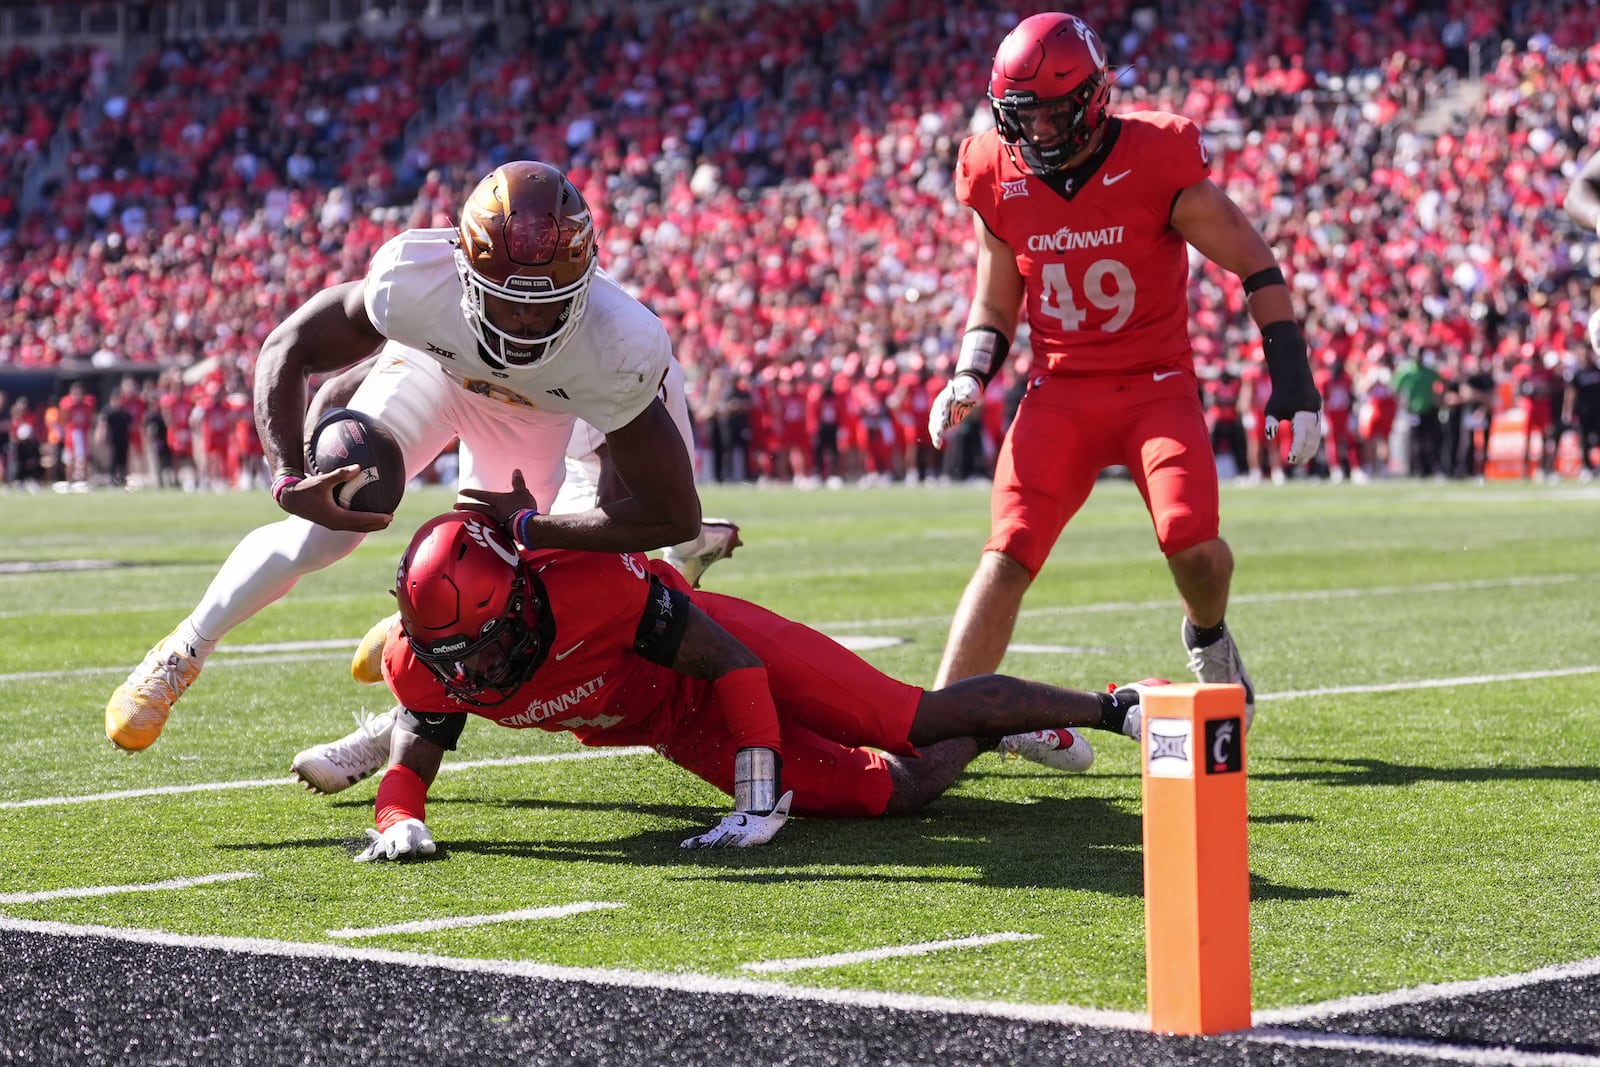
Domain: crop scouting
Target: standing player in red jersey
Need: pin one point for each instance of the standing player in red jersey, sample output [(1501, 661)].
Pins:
[(1339, 397), (618, 650), (1084, 219)]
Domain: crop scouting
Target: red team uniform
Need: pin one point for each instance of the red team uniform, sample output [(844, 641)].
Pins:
[(1106, 280), (833, 709), (1338, 406)]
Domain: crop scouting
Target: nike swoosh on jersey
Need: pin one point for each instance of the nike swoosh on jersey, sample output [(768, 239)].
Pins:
[(1112, 179), (570, 651), (1159, 376)]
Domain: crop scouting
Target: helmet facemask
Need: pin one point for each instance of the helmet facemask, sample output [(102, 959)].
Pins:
[(486, 669), (526, 239), (1048, 133), (514, 349), (471, 610)]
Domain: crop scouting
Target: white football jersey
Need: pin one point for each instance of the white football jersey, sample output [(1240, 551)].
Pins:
[(606, 373)]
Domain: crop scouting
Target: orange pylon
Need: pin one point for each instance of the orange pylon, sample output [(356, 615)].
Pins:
[(1196, 859)]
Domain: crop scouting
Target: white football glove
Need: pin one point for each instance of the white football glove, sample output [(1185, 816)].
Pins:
[(744, 829), (955, 402), (408, 837), (1306, 435)]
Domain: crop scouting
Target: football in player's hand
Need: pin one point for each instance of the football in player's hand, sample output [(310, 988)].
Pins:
[(343, 437)]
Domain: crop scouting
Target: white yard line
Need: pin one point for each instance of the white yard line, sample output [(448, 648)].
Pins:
[(112, 890), (511, 761), (685, 983), (1433, 683), (844, 959), (258, 783), (428, 926), (1171, 603)]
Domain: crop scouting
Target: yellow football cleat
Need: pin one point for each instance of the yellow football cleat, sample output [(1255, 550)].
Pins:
[(367, 665), (137, 712)]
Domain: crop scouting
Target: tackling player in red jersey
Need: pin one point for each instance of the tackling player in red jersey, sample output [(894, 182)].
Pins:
[(1084, 219), (618, 649)]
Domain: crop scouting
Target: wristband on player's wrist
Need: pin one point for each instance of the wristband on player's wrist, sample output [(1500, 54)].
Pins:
[(1288, 365), (283, 479), (983, 350), (519, 525)]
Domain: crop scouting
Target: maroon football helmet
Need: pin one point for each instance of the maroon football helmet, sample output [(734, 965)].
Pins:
[(526, 239), (1049, 89), (469, 608)]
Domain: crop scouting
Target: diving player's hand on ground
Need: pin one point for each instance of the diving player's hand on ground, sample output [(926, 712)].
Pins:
[(408, 838), (744, 829)]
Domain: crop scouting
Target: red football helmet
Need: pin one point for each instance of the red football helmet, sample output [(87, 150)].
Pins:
[(525, 251), (469, 608), (1049, 89)]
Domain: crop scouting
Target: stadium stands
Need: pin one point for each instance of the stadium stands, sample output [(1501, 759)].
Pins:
[(775, 182)]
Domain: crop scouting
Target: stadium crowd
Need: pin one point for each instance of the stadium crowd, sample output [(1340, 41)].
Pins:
[(775, 182)]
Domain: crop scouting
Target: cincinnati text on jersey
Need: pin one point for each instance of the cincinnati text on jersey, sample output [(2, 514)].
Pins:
[(540, 710), (1067, 239)]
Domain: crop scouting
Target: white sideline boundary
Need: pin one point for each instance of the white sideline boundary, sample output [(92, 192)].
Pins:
[(683, 983), (1421, 994), (1416, 1048)]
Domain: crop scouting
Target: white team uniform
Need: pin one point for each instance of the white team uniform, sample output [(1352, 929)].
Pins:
[(431, 383)]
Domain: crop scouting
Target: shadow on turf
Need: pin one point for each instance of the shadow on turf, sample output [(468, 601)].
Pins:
[(1373, 772), (1082, 843)]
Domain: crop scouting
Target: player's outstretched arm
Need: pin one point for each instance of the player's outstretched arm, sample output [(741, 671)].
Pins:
[(1207, 218), (661, 505), (678, 634), (402, 799)]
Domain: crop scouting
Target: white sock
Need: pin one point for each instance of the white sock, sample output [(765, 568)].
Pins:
[(262, 568)]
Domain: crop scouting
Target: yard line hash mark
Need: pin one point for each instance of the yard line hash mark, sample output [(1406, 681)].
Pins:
[(112, 890), (455, 922), (844, 959)]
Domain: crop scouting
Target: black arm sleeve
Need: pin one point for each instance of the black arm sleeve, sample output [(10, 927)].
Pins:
[(443, 728), (660, 630)]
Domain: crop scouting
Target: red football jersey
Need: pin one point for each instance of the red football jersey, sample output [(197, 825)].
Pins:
[(591, 683), (1107, 276)]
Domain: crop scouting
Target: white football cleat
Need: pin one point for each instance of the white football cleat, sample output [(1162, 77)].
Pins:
[(336, 765), (718, 538), (137, 712), (1220, 663), (1061, 750), (366, 666)]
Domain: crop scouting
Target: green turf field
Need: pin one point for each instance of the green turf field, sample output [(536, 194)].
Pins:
[(1423, 765)]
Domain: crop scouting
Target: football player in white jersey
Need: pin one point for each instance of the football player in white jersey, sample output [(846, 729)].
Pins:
[(503, 332)]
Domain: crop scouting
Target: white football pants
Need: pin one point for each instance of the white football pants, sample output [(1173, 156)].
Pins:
[(412, 398)]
